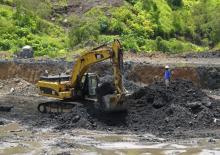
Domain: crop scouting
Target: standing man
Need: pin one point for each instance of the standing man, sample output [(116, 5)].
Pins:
[(167, 76)]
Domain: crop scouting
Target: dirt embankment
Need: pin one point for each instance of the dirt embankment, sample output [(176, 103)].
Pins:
[(30, 70), (202, 76), (140, 73)]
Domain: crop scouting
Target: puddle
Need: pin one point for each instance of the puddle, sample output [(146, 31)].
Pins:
[(17, 139)]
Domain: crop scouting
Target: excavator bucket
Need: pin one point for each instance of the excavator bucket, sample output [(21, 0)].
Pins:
[(108, 100), (113, 103)]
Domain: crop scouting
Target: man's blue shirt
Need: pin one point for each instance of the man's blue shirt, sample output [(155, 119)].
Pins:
[(167, 75)]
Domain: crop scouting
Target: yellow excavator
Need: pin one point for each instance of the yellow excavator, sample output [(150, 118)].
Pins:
[(82, 85)]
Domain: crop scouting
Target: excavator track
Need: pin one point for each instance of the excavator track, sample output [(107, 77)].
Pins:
[(56, 107)]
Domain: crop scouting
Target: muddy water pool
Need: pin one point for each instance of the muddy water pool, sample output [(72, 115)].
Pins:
[(17, 139)]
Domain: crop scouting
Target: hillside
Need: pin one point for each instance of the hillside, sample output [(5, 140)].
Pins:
[(57, 27)]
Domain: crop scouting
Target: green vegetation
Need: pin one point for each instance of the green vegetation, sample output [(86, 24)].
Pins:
[(22, 27), (170, 26)]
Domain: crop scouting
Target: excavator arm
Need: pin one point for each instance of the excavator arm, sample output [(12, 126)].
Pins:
[(96, 55)]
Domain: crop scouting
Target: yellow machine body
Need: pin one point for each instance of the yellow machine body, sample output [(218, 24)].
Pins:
[(70, 88)]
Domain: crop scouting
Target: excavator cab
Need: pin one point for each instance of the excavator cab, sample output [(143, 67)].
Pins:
[(89, 84)]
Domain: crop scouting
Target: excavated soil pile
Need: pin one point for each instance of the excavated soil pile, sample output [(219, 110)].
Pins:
[(153, 109), (182, 106)]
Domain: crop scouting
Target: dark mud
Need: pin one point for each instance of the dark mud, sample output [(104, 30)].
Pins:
[(5, 109), (209, 77), (153, 109)]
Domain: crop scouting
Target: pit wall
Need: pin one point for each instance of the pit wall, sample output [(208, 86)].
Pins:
[(205, 77), (30, 71)]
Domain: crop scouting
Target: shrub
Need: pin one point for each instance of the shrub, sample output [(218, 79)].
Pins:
[(4, 13), (150, 45), (130, 43), (41, 8), (5, 45), (176, 46), (22, 32), (217, 47), (7, 2), (117, 27), (83, 32)]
